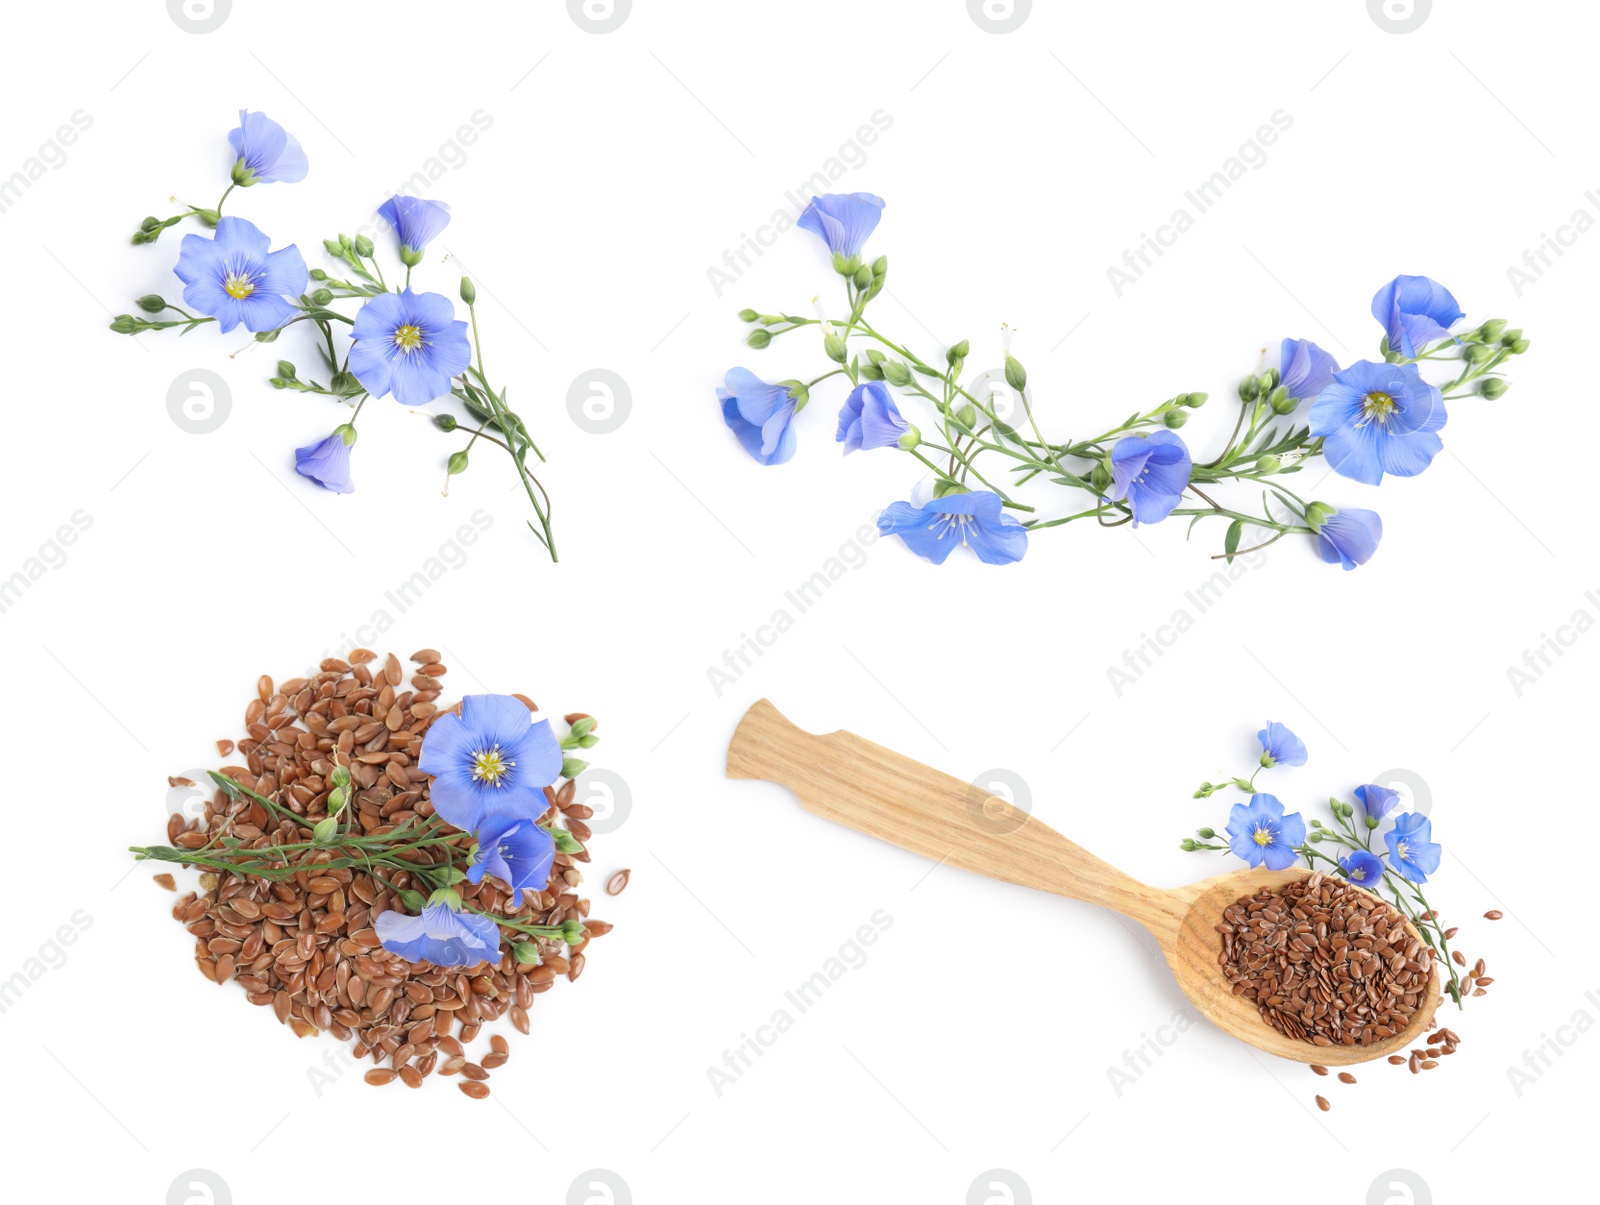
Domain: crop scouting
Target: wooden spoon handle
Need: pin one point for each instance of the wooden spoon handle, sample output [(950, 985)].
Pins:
[(884, 794)]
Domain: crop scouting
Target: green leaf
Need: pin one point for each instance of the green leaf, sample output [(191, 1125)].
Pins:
[(1230, 542)]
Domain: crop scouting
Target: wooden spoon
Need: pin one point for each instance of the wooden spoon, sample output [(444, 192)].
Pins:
[(881, 793)]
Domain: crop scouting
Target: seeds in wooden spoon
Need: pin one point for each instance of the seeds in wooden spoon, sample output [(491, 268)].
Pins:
[(1324, 962)]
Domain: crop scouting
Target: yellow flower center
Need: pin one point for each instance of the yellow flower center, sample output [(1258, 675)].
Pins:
[(1263, 836), (491, 766), (1402, 851), (1358, 874), (238, 285), (1377, 406), (408, 337)]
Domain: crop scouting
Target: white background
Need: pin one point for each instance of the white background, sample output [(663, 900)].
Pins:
[(616, 171)]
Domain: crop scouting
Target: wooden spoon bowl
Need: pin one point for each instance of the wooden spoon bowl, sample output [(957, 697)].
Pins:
[(876, 791)]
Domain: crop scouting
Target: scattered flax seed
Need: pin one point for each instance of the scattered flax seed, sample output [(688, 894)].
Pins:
[(1397, 1060), (1319, 1069), (304, 946), (1460, 958), (618, 882), (1496, 914), (1346, 1078), (167, 881), (1322, 1103)]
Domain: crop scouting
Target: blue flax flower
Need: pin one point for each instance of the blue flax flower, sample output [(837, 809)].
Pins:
[(236, 277), (1412, 853), (416, 223), (1362, 868), (760, 413), (1304, 368), (1280, 747), (1346, 537), (264, 152), (1415, 312), (442, 935), (1259, 832), (1150, 472), (327, 462), (843, 220), (1377, 801), (491, 760), (515, 850), (1378, 418), (975, 520), (409, 344), (870, 419)]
